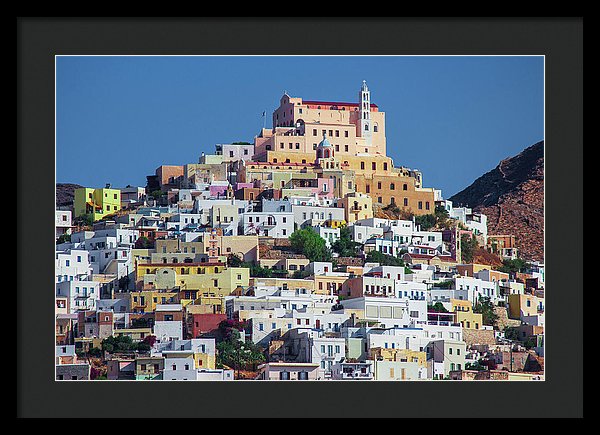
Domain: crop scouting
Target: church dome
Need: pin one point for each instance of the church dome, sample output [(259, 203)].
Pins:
[(325, 142)]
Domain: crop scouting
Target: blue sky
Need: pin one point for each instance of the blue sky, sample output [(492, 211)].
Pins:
[(453, 118)]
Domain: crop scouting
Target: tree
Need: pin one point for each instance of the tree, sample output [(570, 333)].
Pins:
[(84, 220), (475, 366), (149, 340), (306, 241), (443, 220), (485, 306), (426, 221), (63, 238), (438, 307), (123, 282), (157, 194), (235, 261), (143, 242), (383, 259), (345, 246), (236, 353), (512, 333), (468, 245), (124, 343), (513, 266), (445, 284)]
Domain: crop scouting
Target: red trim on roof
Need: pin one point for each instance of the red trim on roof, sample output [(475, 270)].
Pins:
[(333, 103)]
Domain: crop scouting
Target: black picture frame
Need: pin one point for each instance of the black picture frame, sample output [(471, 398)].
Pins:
[(560, 40)]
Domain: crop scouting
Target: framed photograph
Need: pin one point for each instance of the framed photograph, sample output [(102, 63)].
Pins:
[(232, 220)]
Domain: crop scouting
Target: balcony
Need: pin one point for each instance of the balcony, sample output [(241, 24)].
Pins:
[(357, 375)]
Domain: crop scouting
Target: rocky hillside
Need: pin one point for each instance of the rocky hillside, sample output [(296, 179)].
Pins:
[(65, 194), (512, 197)]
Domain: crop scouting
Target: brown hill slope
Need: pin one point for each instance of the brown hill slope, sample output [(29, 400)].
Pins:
[(65, 193), (512, 197)]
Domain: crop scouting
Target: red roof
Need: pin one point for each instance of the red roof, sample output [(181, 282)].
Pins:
[(333, 103)]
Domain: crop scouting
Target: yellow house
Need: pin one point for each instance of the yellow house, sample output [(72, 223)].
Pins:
[(136, 334), (329, 284), (471, 269), (211, 279), (357, 206), (403, 355), (465, 315), (201, 360), (521, 305), (96, 202), (145, 301)]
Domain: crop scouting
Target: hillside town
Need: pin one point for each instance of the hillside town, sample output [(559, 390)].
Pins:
[(304, 254)]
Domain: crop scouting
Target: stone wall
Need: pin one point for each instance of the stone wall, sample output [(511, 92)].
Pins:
[(479, 336)]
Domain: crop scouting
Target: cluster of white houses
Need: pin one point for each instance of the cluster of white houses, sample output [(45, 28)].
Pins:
[(156, 264)]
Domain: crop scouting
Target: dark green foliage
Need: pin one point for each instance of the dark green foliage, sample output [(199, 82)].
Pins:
[(468, 246), (63, 238), (513, 266), (426, 221), (84, 220), (512, 333), (445, 284), (95, 352), (125, 344), (306, 241), (156, 194), (485, 307), (383, 259), (438, 307), (345, 246), (475, 366), (123, 282), (256, 270), (143, 243), (236, 353)]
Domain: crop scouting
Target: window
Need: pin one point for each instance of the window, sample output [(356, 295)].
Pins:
[(450, 352), (420, 205), (405, 186), (373, 166), (426, 205), (392, 186), (260, 327), (362, 165)]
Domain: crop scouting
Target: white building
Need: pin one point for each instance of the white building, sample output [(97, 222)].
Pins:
[(279, 225), (83, 295), (316, 215), (472, 220), (330, 235), (63, 222), (72, 264), (390, 312)]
